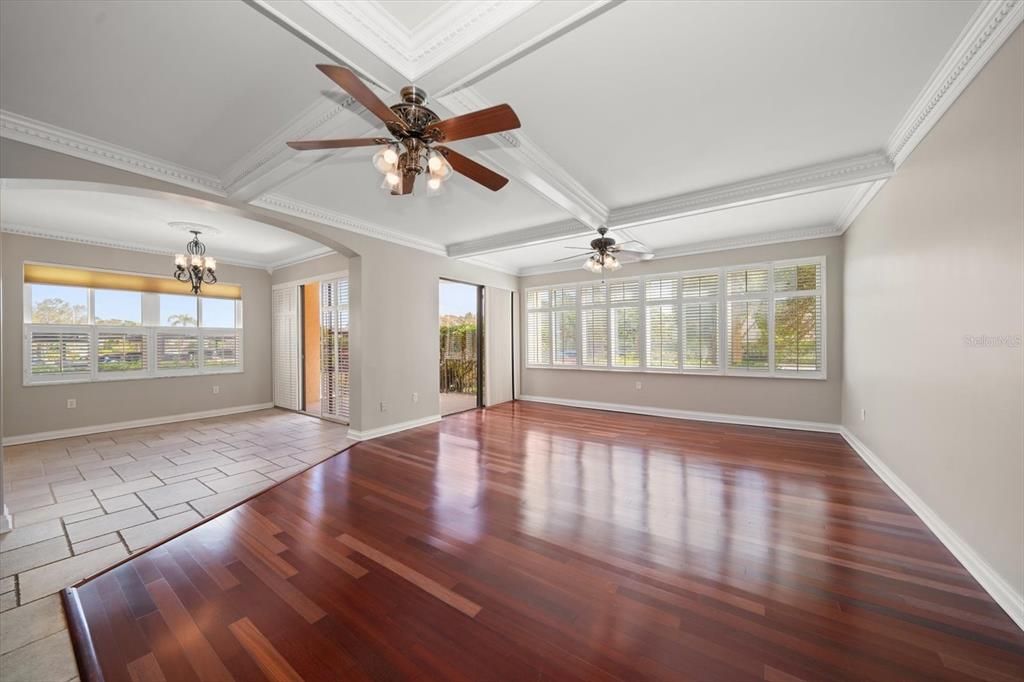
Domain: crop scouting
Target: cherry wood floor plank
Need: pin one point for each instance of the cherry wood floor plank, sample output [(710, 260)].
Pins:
[(537, 542)]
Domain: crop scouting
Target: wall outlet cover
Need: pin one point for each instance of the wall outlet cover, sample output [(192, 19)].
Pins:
[(72, 403)]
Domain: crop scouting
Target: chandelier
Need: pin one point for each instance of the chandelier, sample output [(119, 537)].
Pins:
[(194, 266)]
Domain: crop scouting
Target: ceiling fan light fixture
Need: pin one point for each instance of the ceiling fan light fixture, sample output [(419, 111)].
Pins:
[(391, 179), (611, 263)]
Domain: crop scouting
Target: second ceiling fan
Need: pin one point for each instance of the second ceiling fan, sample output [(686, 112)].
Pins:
[(416, 136)]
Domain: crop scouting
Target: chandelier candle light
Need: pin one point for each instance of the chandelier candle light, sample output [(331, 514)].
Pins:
[(195, 266)]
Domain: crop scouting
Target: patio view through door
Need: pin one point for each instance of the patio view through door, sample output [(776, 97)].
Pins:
[(461, 344)]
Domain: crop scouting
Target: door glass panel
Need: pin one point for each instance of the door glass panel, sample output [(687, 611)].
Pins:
[(460, 339)]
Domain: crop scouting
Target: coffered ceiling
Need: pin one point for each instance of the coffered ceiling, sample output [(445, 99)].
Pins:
[(694, 125)]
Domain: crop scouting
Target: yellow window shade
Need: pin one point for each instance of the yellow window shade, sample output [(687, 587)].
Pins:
[(98, 279)]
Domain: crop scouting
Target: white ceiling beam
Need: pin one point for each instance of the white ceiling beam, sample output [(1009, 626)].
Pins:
[(816, 178)]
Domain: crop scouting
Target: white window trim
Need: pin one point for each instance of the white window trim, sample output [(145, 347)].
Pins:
[(723, 332), (150, 315)]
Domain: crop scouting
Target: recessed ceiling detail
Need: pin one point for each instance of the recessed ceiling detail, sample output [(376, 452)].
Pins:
[(718, 155)]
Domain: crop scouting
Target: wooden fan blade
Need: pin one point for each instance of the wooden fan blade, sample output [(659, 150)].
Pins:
[(575, 256), (351, 84), (473, 170), (305, 145), (408, 180), (483, 122)]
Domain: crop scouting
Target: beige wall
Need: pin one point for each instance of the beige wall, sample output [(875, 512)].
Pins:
[(937, 257), (310, 270), (799, 399), (35, 409)]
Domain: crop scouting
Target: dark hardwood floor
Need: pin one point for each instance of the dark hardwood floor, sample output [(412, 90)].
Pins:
[(532, 542)]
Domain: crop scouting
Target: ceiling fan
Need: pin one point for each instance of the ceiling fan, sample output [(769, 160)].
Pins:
[(606, 255), (416, 134)]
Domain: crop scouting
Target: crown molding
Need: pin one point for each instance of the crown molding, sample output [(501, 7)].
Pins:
[(815, 178), (274, 151), (33, 132), (988, 29), (45, 233), (858, 202), (308, 256), (515, 238), (451, 29), (710, 246), (299, 209)]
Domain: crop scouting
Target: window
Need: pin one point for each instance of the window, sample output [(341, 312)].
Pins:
[(76, 334), (758, 320)]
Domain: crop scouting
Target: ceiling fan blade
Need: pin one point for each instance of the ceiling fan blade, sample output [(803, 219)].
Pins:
[(575, 256), (305, 145), (408, 180), (473, 170), (628, 256), (578, 248), (484, 122), (351, 84)]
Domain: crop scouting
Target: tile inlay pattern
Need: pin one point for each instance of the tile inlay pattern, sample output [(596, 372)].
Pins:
[(83, 504), (536, 542)]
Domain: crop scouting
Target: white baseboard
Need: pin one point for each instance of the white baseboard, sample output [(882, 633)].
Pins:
[(999, 589), (6, 521), (393, 428), (769, 422), (134, 424)]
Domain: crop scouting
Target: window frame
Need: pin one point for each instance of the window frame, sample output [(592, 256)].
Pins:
[(722, 299), (150, 329)]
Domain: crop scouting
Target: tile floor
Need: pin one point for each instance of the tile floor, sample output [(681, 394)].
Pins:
[(82, 504)]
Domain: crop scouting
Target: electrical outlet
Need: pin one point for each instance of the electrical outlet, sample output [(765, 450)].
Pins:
[(415, 397), (72, 403), (863, 414), (639, 386), (216, 389), (383, 406)]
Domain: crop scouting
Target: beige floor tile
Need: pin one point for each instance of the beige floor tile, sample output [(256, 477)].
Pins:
[(45, 580), (82, 516), (95, 543), (176, 493), (24, 558), (31, 622), (108, 523), (236, 481), (8, 601), (171, 511), (114, 504), (28, 535), (209, 463), (6, 584), (215, 503), (244, 465), (287, 472), (148, 534), (128, 487), (50, 659), (27, 502), (54, 511)]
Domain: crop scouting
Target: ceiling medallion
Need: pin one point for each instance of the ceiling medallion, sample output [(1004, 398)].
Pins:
[(416, 133)]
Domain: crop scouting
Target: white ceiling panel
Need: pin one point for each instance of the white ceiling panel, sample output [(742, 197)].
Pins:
[(821, 209), (349, 184), (142, 222), (196, 83), (652, 99), (412, 13)]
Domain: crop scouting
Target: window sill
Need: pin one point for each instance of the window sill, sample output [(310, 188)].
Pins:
[(813, 376), (170, 374)]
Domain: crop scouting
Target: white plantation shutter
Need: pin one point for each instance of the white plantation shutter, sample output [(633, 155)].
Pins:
[(538, 327), (662, 320), (749, 337), (700, 321), (624, 316), (285, 345), (221, 351), (335, 368), (798, 318), (564, 327), (594, 325), (58, 354), (177, 350), (122, 352)]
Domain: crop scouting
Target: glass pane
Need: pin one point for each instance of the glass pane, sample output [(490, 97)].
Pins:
[(118, 308), (59, 305), (660, 289), (700, 285), (538, 339), (662, 336), (592, 294), (747, 281), (700, 335), (539, 298), (626, 337), (748, 334), (218, 312), (619, 292), (563, 297), (797, 277), (178, 311), (177, 351), (798, 334), (121, 352), (565, 341), (58, 353), (221, 351)]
